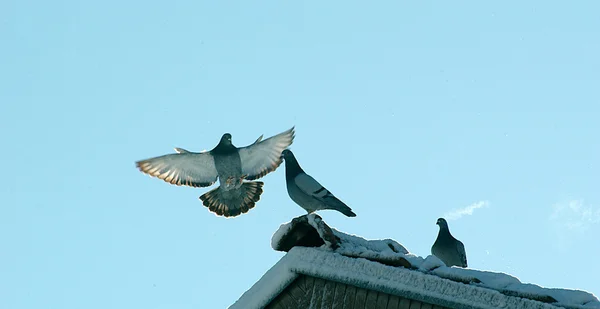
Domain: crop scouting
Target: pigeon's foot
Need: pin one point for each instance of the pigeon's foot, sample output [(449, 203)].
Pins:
[(240, 181), (229, 181)]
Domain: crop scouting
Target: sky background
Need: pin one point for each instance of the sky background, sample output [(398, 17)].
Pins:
[(405, 111)]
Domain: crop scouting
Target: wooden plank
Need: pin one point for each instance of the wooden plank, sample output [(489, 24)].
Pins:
[(361, 299), (339, 295), (350, 297), (286, 301), (298, 290), (275, 304), (314, 293), (303, 300), (415, 304), (280, 302), (382, 300), (309, 283), (404, 303), (291, 297), (371, 300), (426, 306), (316, 297), (394, 302), (328, 294)]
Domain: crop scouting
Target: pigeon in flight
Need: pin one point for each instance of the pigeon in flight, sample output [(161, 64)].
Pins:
[(447, 248), (307, 192), (229, 164)]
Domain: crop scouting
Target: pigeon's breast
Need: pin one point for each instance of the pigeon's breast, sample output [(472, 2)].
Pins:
[(302, 199), (228, 165)]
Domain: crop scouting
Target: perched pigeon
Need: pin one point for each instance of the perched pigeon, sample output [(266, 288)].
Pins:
[(307, 192), (447, 248), (231, 165)]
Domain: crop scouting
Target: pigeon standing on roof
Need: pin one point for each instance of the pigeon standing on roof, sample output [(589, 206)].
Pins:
[(447, 248), (307, 192), (230, 164)]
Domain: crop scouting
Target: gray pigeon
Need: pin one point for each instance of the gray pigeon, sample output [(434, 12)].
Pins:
[(447, 248), (307, 192), (181, 150), (230, 164)]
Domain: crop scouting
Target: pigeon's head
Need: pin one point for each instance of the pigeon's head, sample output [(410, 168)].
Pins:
[(442, 223), (291, 164), (287, 154), (226, 139), (289, 158)]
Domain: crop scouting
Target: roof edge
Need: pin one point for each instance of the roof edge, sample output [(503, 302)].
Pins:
[(398, 281), (269, 286)]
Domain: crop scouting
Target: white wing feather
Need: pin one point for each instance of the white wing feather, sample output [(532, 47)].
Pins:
[(263, 157), (184, 168)]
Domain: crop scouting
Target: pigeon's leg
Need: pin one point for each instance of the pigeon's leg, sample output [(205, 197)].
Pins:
[(229, 181), (240, 181)]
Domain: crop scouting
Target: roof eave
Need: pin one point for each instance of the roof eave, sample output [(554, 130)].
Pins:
[(271, 284), (387, 279)]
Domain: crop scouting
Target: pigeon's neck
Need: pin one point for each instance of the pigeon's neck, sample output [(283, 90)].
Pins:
[(292, 168), (444, 232), (224, 149)]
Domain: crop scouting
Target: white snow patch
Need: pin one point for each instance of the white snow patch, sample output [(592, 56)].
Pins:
[(431, 262), (359, 244), (320, 263), (564, 297), (280, 233), (384, 249), (433, 282), (496, 281)]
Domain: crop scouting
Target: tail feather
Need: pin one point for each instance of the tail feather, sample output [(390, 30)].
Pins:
[(233, 202), (334, 203)]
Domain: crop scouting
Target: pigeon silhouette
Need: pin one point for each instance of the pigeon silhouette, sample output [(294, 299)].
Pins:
[(307, 192), (231, 165), (447, 248)]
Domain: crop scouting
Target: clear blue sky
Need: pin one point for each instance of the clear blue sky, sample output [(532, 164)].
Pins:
[(405, 111)]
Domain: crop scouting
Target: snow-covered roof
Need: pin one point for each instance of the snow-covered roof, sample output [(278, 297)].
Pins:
[(386, 266)]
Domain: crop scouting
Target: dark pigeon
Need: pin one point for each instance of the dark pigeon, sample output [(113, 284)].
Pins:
[(307, 192), (447, 248), (230, 164)]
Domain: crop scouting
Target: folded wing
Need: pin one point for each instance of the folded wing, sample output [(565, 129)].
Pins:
[(184, 168), (263, 157), (311, 187)]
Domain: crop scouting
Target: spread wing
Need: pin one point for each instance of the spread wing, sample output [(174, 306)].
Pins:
[(181, 150), (263, 157), (258, 139), (184, 168)]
